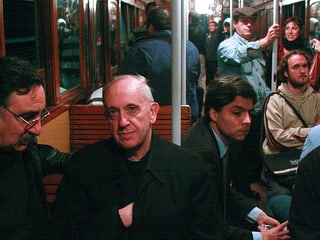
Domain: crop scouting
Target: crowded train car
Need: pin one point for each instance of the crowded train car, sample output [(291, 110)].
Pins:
[(77, 46), (98, 33)]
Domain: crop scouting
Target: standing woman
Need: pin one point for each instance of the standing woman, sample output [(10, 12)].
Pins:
[(292, 39)]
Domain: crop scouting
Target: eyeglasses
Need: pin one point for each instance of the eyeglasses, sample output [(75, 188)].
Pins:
[(31, 123)]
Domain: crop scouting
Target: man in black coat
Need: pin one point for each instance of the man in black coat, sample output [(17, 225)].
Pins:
[(228, 106), (305, 205), (23, 162), (136, 185)]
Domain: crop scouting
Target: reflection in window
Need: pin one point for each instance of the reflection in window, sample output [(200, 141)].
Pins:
[(113, 33), (20, 30), (69, 48), (315, 20), (99, 46)]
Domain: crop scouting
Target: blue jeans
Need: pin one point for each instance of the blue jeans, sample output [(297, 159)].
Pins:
[(278, 207), (278, 199)]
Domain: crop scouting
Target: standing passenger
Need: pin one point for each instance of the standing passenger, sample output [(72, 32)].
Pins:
[(197, 35), (142, 31), (136, 185), (292, 40), (70, 51), (241, 56), (152, 58), (23, 162), (213, 39), (226, 28)]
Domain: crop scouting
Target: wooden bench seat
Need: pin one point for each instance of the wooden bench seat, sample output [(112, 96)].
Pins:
[(89, 125)]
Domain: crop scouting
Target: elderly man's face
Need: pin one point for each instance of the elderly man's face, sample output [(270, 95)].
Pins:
[(245, 27), (14, 132), (131, 115)]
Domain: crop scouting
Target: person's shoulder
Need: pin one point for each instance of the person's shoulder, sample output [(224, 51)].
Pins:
[(275, 98), (140, 29), (311, 160), (226, 43), (158, 38), (310, 166), (92, 153), (181, 157), (198, 129), (191, 47), (172, 150)]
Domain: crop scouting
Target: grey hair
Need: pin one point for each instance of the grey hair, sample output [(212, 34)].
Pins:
[(141, 79)]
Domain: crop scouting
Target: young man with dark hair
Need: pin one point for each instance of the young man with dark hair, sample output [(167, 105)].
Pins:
[(227, 117)]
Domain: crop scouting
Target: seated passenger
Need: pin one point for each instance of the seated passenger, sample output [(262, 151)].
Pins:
[(96, 97), (136, 185), (228, 106), (312, 141), (305, 206), (284, 129), (23, 162)]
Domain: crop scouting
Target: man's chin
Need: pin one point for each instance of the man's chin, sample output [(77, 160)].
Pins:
[(20, 147)]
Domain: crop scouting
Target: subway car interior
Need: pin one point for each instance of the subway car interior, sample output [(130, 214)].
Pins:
[(98, 33)]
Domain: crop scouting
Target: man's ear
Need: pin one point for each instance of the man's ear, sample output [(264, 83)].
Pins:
[(285, 73), (154, 112), (213, 114)]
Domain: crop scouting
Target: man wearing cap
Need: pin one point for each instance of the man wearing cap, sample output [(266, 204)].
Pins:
[(242, 56)]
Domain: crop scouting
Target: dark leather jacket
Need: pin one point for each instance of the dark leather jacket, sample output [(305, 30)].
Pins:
[(23, 207)]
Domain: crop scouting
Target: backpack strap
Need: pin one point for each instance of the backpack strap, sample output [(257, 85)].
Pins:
[(293, 108)]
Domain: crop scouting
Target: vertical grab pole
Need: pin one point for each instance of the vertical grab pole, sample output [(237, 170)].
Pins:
[(231, 17), (275, 48), (183, 46), (176, 70)]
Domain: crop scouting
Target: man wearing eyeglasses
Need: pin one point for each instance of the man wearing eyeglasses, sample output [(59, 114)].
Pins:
[(242, 55), (23, 162)]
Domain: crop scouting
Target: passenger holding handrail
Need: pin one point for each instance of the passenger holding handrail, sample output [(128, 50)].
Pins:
[(292, 40), (315, 45), (243, 56)]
